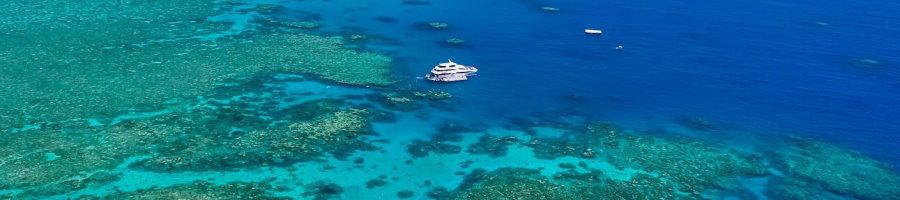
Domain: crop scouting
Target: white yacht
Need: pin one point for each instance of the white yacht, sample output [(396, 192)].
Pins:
[(593, 31), (450, 71)]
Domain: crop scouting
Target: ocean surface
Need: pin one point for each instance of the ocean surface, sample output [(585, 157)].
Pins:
[(756, 99)]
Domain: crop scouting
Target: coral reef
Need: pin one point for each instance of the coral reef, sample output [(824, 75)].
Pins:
[(796, 189), (511, 183), (550, 148), (202, 191), (394, 98), (322, 190), (302, 24), (80, 66), (405, 194), (399, 101), (695, 166), (78, 159), (838, 170), (68, 64), (261, 8), (408, 100), (211, 135), (321, 56), (493, 146), (419, 148), (357, 37), (433, 95), (519, 183), (374, 183), (335, 132), (452, 127), (130, 64), (692, 165), (445, 141), (439, 193), (696, 123)]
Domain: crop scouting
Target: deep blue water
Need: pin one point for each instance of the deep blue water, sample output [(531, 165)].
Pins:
[(759, 67)]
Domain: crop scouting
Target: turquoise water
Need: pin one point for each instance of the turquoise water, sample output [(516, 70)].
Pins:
[(325, 100)]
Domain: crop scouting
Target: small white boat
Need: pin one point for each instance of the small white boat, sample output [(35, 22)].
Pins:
[(593, 31), (450, 71)]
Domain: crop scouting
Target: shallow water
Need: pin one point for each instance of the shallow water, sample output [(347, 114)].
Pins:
[(707, 100)]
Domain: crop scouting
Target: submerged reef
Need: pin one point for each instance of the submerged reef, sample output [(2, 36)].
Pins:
[(404, 194), (82, 65), (455, 41), (52, 161), (202, 191), (419, 148), (238, 127), (95, 65), (332, 131), (511, 183), (492, 145), (301, 24), (520, 183), (692, 165), (797, 189), (696, 123), (437, 25), (75, 68), (321, 190), (65, 157), (837, 170), (433, 95), (409, 100)]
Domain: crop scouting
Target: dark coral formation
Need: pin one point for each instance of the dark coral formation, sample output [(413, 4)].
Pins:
[(439, 193), (321, 190), (444, 142), (420, 148), (493, 146), (550, 148), (374, 183), (797, 189), (450, 127), (696, 123), (405, 194), (409, 100)]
